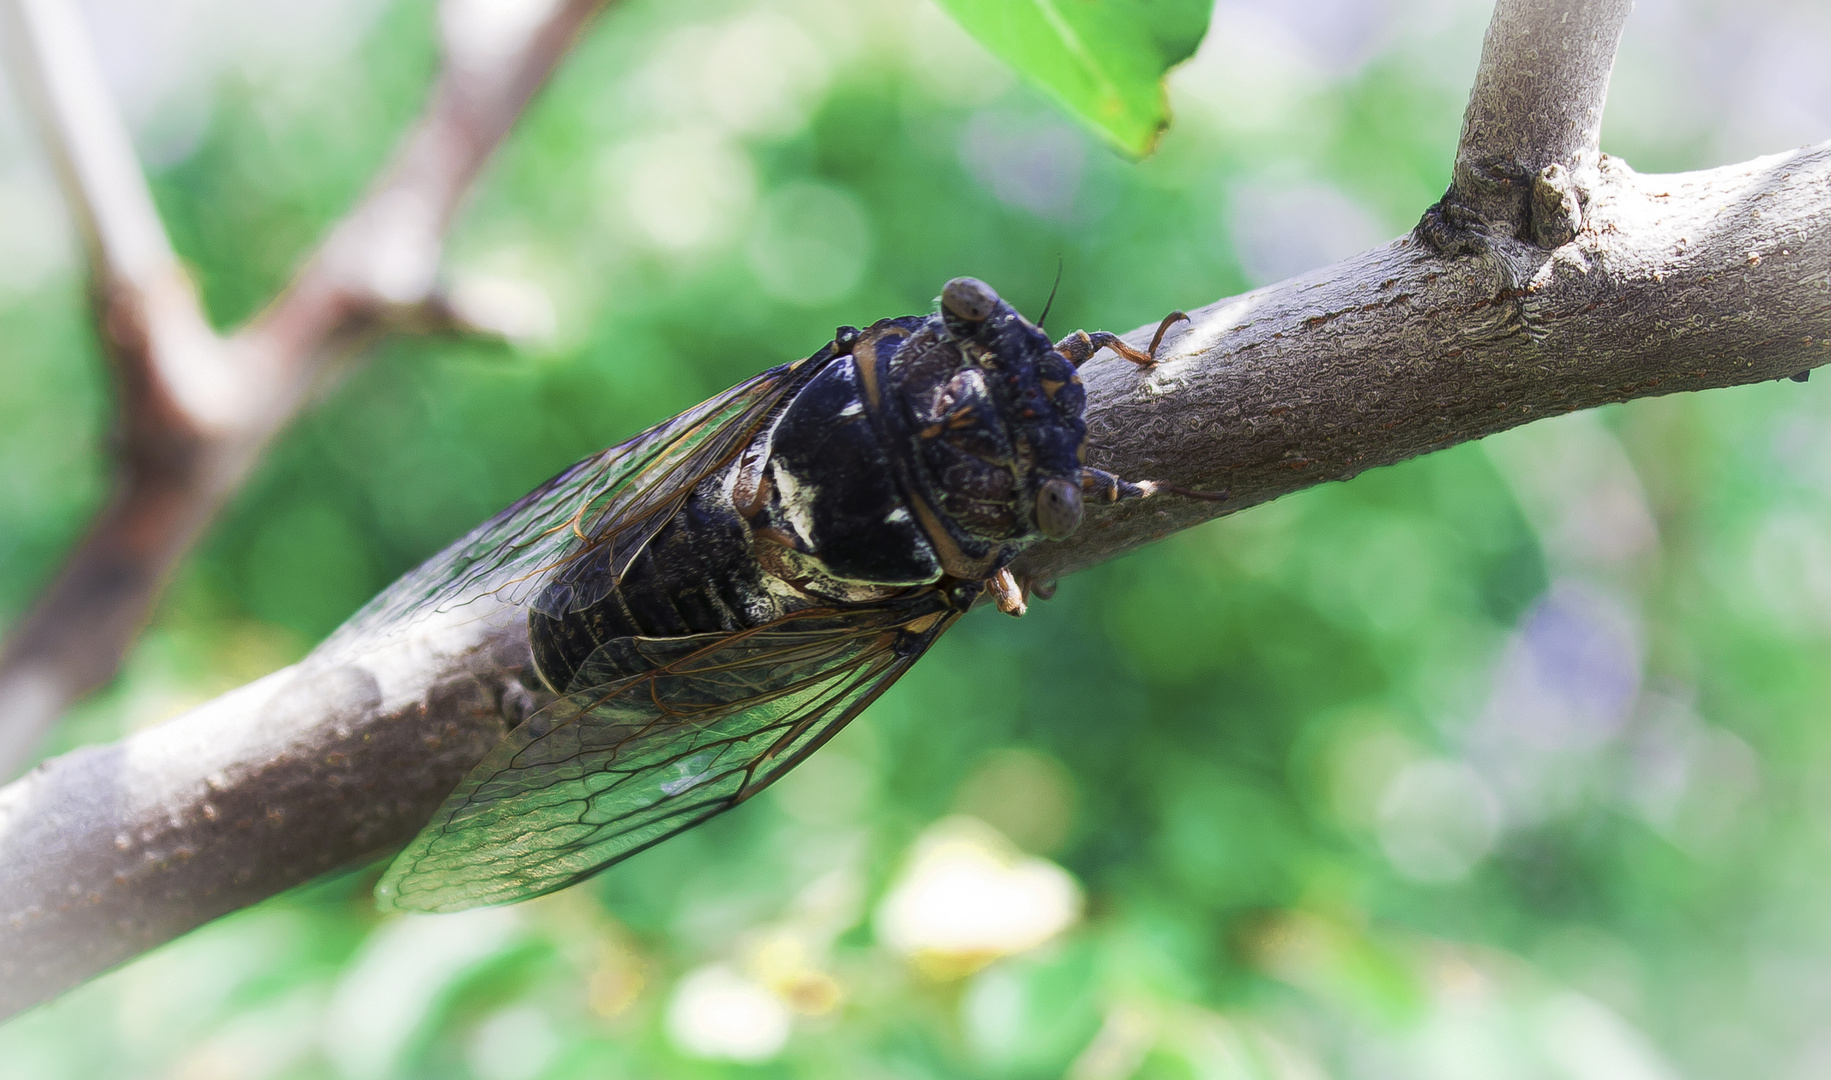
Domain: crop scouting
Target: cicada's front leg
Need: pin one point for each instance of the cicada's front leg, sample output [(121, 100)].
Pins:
[(1100, 484), (1078, 348), (1012, 592), (1010, 596)]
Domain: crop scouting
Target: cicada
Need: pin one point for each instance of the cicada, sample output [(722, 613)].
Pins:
[(714, 599)]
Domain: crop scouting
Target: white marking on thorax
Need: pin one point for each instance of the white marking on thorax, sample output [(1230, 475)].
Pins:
[(797, 500)]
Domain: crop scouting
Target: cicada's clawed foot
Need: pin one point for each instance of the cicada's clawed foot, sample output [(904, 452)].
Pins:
[(1004, 589), (1163, 328), (1078, 348), (1104, 486), (1042, 590), (1100, 484), (1190, 493)]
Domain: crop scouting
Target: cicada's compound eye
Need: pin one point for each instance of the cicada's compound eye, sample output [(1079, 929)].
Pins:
[(969, 299), (1058, 508)]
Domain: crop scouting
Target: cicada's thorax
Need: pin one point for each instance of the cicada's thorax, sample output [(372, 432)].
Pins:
[(915, 457)]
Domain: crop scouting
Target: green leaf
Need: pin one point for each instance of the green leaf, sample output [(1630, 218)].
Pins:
[(1102, 59)]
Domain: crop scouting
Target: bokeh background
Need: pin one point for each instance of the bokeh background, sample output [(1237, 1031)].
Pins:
[(1510, 762)]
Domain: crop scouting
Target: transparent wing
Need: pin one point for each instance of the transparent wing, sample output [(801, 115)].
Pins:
[(611, 769), (617, 496)]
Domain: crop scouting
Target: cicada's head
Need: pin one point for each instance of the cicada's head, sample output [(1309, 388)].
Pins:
[(1038, 397)]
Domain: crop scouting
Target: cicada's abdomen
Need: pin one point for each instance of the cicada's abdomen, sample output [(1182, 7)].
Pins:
[(809, 515), (695, 576)]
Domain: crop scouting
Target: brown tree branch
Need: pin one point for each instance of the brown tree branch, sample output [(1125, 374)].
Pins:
[(1393, 353), (1672, 283), (178, 390), (211, 811), (383, 259), (1677, 282), (197, 409)]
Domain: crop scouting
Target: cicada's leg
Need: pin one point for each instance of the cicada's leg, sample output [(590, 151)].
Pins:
[(1077, 348), (1100, 484), (1163, 328), (1004, 589)]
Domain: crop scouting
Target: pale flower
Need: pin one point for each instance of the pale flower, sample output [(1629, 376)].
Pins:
[(967, 897)]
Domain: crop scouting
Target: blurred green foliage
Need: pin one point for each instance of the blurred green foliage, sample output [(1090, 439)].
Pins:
[(1506, 762)]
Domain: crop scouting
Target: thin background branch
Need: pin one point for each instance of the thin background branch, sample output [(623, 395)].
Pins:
[(197, 408), (1478, 321)]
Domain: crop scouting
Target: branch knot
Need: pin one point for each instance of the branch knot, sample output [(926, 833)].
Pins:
[(1500, 197), (1554, 214)]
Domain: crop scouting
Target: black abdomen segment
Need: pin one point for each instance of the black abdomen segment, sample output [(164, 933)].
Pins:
[(695, 576)]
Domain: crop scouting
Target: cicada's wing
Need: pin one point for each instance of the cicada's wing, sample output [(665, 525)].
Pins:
[(617, 496), (609, 770)]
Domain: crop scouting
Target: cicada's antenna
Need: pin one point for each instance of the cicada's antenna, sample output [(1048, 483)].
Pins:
[(1043, 320)]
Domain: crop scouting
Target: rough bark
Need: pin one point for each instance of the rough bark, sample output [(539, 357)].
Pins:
[(1596, 285), (111, 850), (1677, 282), (1531, 134)]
